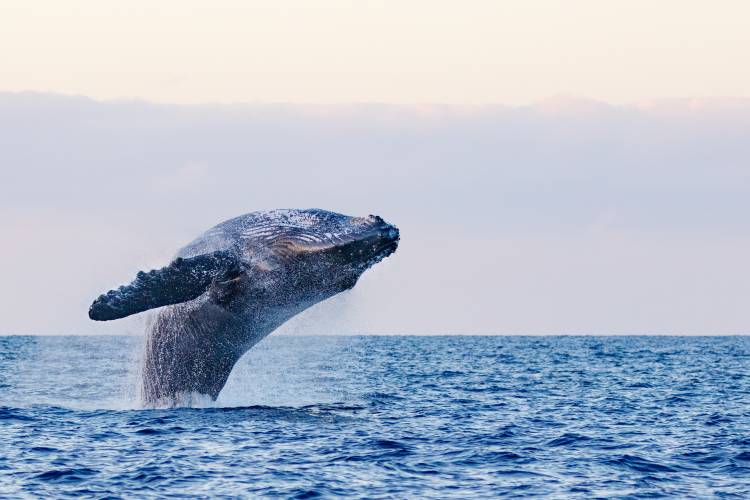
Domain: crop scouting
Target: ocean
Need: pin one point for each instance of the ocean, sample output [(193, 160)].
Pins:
[(386, 417)]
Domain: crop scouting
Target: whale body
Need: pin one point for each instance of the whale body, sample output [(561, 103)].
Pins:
[(235, 284)]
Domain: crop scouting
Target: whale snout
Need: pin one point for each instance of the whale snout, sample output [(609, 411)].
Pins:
[(391, 236), (388, 237), (385, 229), (362, 242)]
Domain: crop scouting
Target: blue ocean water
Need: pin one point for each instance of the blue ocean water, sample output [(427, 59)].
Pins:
[(376, 417)]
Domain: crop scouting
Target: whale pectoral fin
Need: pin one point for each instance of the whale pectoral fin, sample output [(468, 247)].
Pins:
[(181, 281)]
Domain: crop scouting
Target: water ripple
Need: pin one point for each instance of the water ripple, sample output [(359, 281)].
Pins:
[(417, 417)]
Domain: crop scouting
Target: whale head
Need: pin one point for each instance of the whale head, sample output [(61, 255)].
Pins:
[(324, 253)]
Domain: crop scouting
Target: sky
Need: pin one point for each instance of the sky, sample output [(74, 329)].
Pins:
[(570, 216), (388, 51), (575, 167)]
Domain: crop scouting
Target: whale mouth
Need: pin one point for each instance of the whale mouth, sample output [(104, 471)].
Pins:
[(388, 237), (364, 242), (385, 250), (390, 244)]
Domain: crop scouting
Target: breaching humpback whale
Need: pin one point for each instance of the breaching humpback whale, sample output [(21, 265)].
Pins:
[(234, 285)]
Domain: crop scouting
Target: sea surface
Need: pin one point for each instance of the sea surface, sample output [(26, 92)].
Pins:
[(386, 417)]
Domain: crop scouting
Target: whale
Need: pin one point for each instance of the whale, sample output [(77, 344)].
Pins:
[(234, 285)]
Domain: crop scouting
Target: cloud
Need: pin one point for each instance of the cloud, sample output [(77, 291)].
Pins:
[(568, 216)]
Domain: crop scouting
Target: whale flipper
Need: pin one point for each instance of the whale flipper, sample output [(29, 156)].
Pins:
[(180, 281)]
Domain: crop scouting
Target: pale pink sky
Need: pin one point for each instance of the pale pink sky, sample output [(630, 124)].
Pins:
[(521, 212), (396, 51)]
